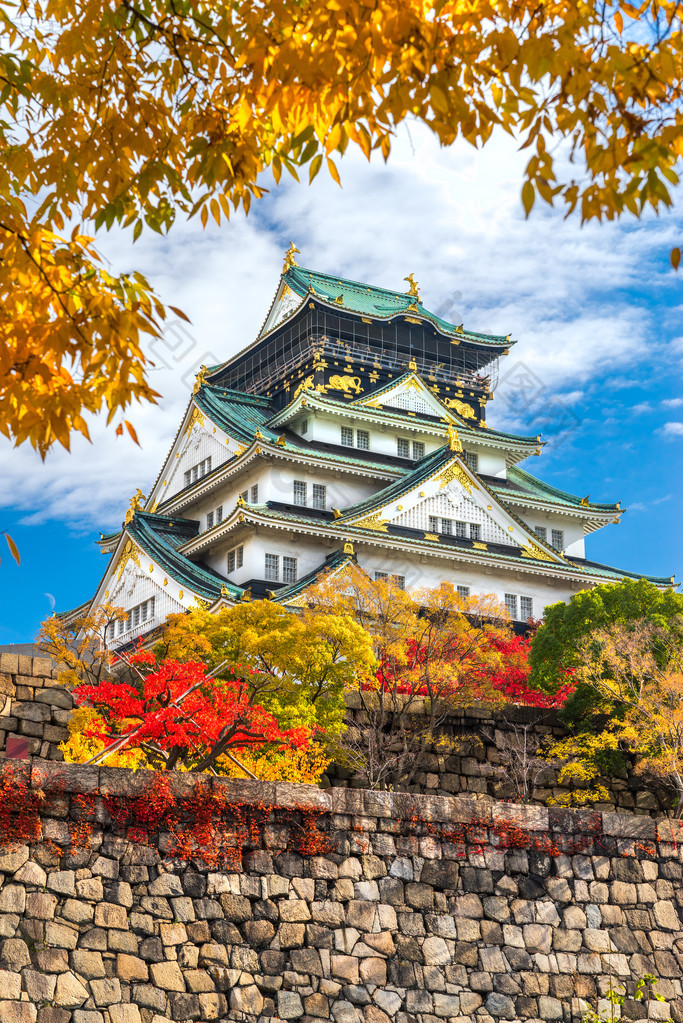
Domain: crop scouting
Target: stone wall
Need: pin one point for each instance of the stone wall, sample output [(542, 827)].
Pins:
[(418, 910), (478, 769), (32, 707)]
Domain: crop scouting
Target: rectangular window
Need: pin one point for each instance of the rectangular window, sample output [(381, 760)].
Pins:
[(209, 520), (381, 575), (289, 570), (541, 532), (347, 436), (245, 496), (475, 531), (399, 580), (511, 605), (254, 494), (319, 496), (363, 440), (447, 526), (558, 539), (219, 514), (471, 460), (433, 524), (463, 592), (195, 473), (272, 568), (461, 529), (188, 477), (136, 616), (526, 607), (299, 492), (418, 449), (235, 559), (304, 426), (402, 447)]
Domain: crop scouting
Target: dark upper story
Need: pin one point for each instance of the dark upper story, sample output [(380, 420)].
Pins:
[(349, 338)]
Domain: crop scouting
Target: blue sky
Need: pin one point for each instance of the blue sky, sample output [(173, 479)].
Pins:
[(596, 312)]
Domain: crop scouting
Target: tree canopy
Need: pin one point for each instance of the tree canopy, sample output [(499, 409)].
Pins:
[(132, 113)]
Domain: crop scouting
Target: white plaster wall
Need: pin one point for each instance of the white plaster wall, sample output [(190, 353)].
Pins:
[(573, 528), (431, 571), (194, 448), (491, 463)]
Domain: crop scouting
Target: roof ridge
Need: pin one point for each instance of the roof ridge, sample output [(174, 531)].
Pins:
[(571, 498)]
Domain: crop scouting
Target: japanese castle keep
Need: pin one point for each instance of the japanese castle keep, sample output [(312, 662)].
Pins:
[(353, 427)]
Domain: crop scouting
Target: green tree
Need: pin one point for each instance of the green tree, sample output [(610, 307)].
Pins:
[(557, 646)]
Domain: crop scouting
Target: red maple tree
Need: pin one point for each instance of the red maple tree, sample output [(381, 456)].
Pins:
[(180, 716)]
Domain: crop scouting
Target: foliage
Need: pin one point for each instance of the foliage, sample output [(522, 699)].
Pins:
[(79, 647), (637, 669), (305, 765), (513, 678), (182, 718), (434, 650), (14, 551), (131, 113), (555, 647), (585, 760), (304, 662), (645, 987), (85, 742)]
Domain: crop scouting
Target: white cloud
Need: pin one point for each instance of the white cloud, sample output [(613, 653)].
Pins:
[(672, 429), (672, 402), (641, 408), (451, 216)]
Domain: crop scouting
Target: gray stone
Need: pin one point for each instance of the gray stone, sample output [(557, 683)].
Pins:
[(436, 952), (249, 999), (15, 954), (289, 1005), (501, 1005), (18, 1012)]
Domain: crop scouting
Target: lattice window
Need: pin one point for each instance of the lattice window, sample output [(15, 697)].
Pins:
[(418, 450), (235, 559), (209, 520), (363, 440), (463, 592), (541, 532), (300, 490), (289, 570), (558, 539), (319, 496), (254, 494), (347, 436), (272, 568), (471, 460), (411, 401), (526, 607), (402, 447), (511, 605), (462, 510)]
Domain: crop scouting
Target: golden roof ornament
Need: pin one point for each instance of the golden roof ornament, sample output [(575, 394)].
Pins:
[(348, 547), (258, 435), (586, 500), (200, 379), (135, 505), (290, 261), (414, 288), (225, 592), (454, 442), (412, 365)]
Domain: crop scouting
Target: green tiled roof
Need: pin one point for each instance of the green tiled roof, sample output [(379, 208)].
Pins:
[(425, 468), (236, 413), (380, 303), (530, 486), (161, 537)]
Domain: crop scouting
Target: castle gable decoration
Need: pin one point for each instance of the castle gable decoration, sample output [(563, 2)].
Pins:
[(350, 437)]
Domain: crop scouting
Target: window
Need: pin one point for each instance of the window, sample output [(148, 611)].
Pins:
[(447, 526), (461, 529), (471, 460), (272, 568), (347, 436), (219, 514), (209, 520), (197, 471), (433, 524), (235, 559), (463, 592), (558, 539), (541, 532), (299, 492), (402, 447), (245, 496), (143, 612), (526, 606), (363, 440), (397, 580), (475, 531), (289, 570), (304, 426), (319, 496), (511, 605), (254, 494), (418, 449)]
